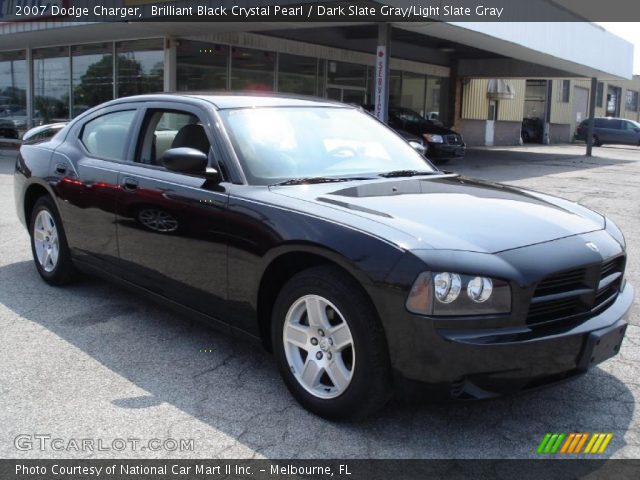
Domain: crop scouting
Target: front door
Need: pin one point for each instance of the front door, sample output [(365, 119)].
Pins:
[(580, 106), (171, 225)]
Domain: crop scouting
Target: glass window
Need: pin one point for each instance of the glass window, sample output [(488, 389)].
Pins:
[(106, 136), (565, 91), (599, 94), (413, 88), (140, 67), (51, 84), (297, 74), (395, 88), (13, 94), (275, 144), (613, 101), (201, 66), (347, 74), (92, 71), (632, 101), (433, 99), (171, 129), (252, 69)]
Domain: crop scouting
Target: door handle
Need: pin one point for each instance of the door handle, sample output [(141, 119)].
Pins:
[(129, 184), (61, 168)]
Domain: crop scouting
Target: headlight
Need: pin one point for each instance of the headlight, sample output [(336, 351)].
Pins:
[(480, 289), (447, 286), (433, 138), (440, 294)]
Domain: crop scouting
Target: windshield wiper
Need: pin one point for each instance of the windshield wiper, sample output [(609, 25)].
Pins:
[(408, 173), (311, 180)]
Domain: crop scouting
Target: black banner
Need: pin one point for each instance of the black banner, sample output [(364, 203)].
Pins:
[(318, 11), (547, 469)]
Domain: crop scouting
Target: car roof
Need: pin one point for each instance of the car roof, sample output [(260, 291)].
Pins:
[(230, 100)]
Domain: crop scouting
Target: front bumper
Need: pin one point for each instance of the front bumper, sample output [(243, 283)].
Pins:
[(491, 362), (444, 150)]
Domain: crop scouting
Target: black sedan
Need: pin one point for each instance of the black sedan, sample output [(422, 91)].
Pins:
[(441, 144), (315, 230)]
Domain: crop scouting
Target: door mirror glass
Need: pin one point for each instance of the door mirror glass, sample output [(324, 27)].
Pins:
[(189, 160)]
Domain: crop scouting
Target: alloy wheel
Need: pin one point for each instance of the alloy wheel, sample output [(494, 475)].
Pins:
[(319, 346), (46, 242)]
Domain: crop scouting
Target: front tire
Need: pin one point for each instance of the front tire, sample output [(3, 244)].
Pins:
[(49, 244), (329, 345)]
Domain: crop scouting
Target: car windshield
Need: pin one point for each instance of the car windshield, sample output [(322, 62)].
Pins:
[(282, 143)]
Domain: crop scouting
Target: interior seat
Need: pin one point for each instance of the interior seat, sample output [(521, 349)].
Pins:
[(192, 136)]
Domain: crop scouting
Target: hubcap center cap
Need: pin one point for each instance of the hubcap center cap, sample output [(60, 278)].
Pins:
[(325, 345)]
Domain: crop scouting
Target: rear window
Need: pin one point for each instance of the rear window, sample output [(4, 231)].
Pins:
[(106, 136)]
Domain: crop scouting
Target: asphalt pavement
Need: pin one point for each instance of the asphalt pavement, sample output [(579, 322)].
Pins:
[(96, 363)]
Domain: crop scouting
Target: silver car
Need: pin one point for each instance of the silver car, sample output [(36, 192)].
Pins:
[(611, 130)]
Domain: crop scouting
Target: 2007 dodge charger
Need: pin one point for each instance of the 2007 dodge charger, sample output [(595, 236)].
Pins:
[(314, 229)]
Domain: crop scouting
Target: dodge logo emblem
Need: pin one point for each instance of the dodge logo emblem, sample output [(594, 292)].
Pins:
[(592, 246)]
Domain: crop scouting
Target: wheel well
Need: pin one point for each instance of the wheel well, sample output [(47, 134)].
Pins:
[(31, 196), (274, 278)]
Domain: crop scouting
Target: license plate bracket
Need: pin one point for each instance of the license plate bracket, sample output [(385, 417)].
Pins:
[(602, 345)]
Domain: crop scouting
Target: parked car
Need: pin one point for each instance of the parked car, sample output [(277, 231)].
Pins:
[(8, 129), (442, 144), (313, 229), (611, 130), (42, 133), (532, 130)]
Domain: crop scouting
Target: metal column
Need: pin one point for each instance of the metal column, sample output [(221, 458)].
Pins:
[(381, 82), (592, 114), (29, 60), (170, 65)]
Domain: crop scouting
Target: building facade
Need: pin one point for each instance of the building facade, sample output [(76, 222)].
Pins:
[(560, 103), (52, 71)]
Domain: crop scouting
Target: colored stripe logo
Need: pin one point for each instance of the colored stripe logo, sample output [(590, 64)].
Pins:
[(553, 443)]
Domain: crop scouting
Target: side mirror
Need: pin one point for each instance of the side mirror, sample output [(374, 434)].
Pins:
[(418, 147), (190, 161)]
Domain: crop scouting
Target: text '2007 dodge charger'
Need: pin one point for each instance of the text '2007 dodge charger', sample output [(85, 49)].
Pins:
[(316, 230)]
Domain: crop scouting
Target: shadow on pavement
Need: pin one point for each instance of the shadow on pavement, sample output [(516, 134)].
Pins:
[(236, 389), (514, 164)]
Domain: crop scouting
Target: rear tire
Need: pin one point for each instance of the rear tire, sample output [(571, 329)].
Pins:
[(596, 141), (49, 244), (334, 360)]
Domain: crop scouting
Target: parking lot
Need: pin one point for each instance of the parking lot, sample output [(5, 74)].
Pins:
[(92, 361)]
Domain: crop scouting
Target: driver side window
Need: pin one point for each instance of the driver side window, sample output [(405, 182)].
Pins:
[(165, 129)]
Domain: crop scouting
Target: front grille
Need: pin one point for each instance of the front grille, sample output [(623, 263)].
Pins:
[(612, 266), (561, 282), (574, 293), (454, 139)]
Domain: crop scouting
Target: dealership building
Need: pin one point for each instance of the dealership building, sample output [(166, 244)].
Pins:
[(481, 78)]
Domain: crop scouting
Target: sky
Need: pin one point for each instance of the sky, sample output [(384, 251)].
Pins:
[(630, 31)]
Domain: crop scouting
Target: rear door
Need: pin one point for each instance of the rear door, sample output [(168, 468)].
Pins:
[(171, 226), (85, 178)]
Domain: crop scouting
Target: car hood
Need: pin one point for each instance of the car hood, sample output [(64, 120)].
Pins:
[(449, 211)]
